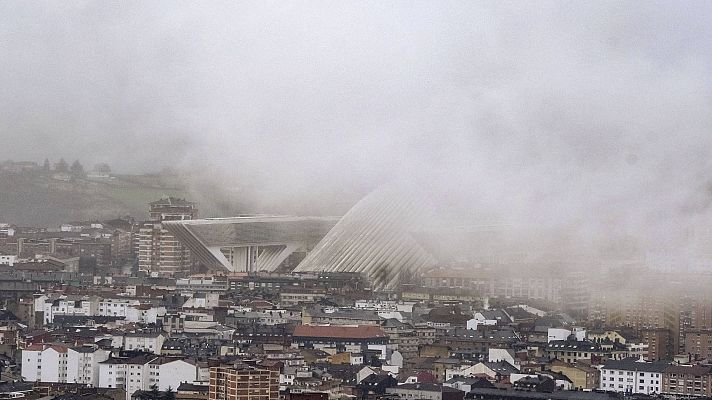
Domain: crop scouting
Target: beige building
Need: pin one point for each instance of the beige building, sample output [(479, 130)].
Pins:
[(159, 252), (582, 376), (244, 383)]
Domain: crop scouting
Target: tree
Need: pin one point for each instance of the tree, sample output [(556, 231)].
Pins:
[(169, 394), (61, 166), (77, 169), (154, 394)]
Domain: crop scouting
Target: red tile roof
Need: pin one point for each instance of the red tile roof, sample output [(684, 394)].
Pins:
[(339, 331)]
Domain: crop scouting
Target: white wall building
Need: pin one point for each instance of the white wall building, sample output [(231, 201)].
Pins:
[(8, 259), (171, 372), (44, 363), (116, 307), (150, 342), (142, 372), (144, 313), (632, 376), (83, 365), (69, 305)]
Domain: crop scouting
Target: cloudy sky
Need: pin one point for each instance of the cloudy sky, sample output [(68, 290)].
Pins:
[(578, 114)]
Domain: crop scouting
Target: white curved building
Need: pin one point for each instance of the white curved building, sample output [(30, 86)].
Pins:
[(375, 238), (249, 243)]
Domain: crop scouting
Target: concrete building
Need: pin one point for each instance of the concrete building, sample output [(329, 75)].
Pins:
[(660, 343), (251, 243), (632, 376), (583, 376), (70, 305), (150, 342), (698, 344), (45, 363), (243, 382), (62, 364), (159, 252), (8, 259), (687, 380), (83, 364)]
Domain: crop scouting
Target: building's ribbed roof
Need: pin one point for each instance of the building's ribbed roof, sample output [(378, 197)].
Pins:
[(375, 238)]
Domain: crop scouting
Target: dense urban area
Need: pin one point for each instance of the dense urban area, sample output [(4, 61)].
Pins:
[(263, 307)]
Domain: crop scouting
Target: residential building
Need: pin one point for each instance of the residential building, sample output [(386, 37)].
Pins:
[(583, 376), (633, 376), (159, 252), (660, 343), (687, 380), (149, 342), (243, 382), (338, 338), (83, 364), (698, 344)]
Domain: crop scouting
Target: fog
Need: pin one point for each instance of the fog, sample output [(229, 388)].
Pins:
[(577, 121)]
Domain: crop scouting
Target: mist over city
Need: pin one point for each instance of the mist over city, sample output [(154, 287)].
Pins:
[(358, 199)]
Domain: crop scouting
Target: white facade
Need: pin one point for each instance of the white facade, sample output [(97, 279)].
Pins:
[(557, 334), (151, 343), (84, 306), (44, 363), (31, 369), (57, 363), (7, 259), (636, 378), (116, 307), (112, 375), (172, 374), (83, 365), (497, 355), (143, 314), (141, 374)]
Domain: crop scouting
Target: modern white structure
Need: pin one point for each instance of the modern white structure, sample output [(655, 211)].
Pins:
[(249, 243), (375, 238)]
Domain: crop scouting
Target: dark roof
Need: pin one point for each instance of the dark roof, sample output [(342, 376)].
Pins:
[(190, 387), (691, 370), (340, 332), (501, 367), (583, 345), (376, 379), (634, 364)]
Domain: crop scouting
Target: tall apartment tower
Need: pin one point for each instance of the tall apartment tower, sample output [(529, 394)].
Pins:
[(159, 252), (243, 382)]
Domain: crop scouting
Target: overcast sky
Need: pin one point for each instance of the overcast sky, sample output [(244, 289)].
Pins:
[(583, 114)]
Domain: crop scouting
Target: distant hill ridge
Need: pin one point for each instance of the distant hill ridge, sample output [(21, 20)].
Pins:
[(32, 199)]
